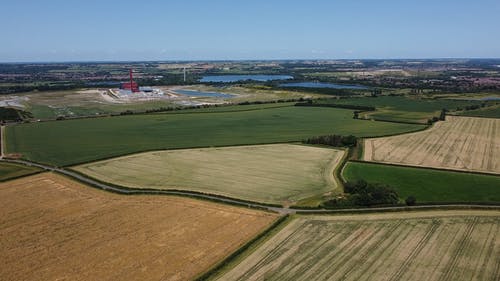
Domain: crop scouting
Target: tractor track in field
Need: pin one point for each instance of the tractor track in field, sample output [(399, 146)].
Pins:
[(276, 209)]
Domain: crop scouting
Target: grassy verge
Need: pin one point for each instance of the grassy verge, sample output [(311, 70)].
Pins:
[(9, 171)]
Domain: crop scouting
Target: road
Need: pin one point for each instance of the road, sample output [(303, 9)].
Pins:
[(280, 210)]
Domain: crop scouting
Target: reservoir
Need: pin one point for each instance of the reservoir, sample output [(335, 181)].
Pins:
[(324, 85), (236, 78), (194, 93)]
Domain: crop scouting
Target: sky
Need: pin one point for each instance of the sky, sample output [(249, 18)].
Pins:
[(108, 30)]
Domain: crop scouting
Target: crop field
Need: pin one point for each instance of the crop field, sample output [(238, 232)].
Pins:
[(488, 112), (403, 109), (437, 245), (53, 228), (460, 143), (10, 170), (77, 141), (429, 185), (276, 173)]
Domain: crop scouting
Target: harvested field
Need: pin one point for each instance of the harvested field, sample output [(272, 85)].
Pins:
[(280, 173), (459, 143), (437, 245), (53, 228)]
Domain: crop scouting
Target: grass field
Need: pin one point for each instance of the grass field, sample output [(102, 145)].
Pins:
[(10, 170), (461, 143), (77, 141), (428, 186), (53, 228), (439, 245), (398, 108), (277, 174), (489, 112)]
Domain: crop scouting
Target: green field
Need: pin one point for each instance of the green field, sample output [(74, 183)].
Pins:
[(276, 173), (488, 112), (431, 246), (405, 109), (10, 170), (427, 185), (76, 141)]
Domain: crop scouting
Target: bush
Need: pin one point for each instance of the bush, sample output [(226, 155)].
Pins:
[(411, 201), (361, 193)]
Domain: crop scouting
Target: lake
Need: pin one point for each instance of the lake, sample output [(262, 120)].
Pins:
[(324, 85), (490, 99), (195, 93), (236, 78)]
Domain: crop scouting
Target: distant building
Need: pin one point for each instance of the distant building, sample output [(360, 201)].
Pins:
[(131, 86)]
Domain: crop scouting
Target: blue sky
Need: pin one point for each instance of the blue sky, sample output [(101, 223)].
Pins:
[(54, 30)]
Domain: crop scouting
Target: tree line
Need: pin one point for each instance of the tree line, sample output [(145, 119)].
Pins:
[(333, 140), (365, 194)]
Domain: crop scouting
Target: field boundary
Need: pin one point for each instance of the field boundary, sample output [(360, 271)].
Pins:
[(22, 176), (247, 248), (337, 172), (168, 149), (396, 209), (193, 194), (254, 205), (427, 168)]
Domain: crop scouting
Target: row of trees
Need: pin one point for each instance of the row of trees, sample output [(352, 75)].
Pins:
[(333, 140), (364, 194)]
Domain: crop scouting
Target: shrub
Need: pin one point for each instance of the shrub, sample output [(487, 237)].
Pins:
[(361, 193), (411, 200)]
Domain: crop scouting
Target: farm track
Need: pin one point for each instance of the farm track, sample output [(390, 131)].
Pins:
[(280, 210)]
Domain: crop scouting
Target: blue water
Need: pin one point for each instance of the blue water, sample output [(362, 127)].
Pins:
[(490, 98), (236, 78), (323, 85), (203, 94), (103, 83)]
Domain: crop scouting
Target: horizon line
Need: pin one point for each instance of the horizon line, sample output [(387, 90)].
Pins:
[(248, 60)]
